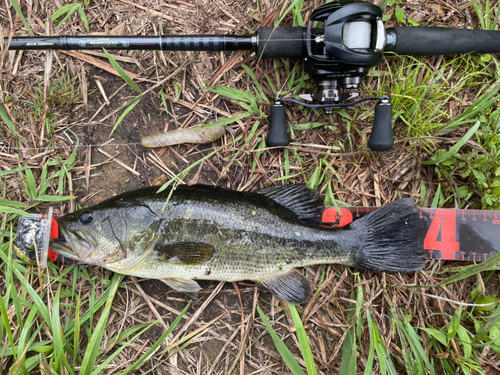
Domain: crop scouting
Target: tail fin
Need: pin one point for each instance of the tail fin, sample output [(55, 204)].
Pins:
[(388, 234)]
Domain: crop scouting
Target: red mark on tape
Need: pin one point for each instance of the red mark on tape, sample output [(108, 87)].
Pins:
[(331, 217), (442, 234)]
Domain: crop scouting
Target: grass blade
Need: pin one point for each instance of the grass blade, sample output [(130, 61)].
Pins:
[(84, 18), (14, 211), (157, 344), (384, 359), (414, 353), (62, 10), (303, 340), (467, 272), (437, 334), (466, 343), (348, 364), (42, 308), (294, 4), (490, 323), (125, 113), (76, 335), (371, 352), (477, 108), (59, 353), (92, 350), (122, 72), (21, 16), (5, 117), (227, 121), (453, 150), (69, 10), (5, 319), (108, 360), (285, 353)]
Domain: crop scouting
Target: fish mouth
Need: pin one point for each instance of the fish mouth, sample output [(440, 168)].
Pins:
[(71, 244)]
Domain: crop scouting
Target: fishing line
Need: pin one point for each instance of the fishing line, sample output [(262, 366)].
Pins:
[(49, 148), (7, 148)]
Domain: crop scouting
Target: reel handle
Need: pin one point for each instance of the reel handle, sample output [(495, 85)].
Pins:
[(277, 136), (381, 138)]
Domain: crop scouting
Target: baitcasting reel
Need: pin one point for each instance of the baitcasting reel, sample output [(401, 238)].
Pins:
[(337, 56)]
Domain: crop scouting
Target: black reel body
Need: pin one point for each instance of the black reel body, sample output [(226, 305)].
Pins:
[(328, 55), (337, 55)]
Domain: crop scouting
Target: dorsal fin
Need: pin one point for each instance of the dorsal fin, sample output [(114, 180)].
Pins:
[(299, 199)]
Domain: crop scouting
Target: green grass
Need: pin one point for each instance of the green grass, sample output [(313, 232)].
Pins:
[(285, 353), (15, 5), (63, 93), (37, 314), (455, 344), (422, 97), (66, 11)]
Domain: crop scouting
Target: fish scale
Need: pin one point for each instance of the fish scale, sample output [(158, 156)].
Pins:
[(211, 233)]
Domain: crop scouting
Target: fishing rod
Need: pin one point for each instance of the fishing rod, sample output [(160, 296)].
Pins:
[(341, 42)]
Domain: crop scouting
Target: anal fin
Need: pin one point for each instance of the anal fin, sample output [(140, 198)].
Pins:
[(187, 286), (292, 287)]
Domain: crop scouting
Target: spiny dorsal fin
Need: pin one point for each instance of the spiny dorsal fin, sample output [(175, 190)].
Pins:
[(292, 287), (299, 199), (187, 253)]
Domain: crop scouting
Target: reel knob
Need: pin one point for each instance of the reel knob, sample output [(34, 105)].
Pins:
[(277, 136), (381, 138)]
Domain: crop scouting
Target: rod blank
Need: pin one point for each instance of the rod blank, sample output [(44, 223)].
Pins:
[(163, 42)]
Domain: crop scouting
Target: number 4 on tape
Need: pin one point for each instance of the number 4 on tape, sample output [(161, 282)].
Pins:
[(442, 234)]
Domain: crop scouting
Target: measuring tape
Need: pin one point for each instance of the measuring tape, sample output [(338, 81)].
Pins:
[(466, 235)]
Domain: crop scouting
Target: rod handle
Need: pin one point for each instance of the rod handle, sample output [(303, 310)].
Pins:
[(280, 42), (431, 41)]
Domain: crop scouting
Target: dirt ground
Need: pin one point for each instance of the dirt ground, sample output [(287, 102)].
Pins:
[(237, 341)]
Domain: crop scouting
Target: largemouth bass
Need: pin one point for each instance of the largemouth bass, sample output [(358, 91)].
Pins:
[(212, 233)]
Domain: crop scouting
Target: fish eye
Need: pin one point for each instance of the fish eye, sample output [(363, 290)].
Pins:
[(86, 218)]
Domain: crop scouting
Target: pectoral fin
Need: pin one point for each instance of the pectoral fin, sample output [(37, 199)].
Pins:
[(186, 253), (292, 287), (187, 286)]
